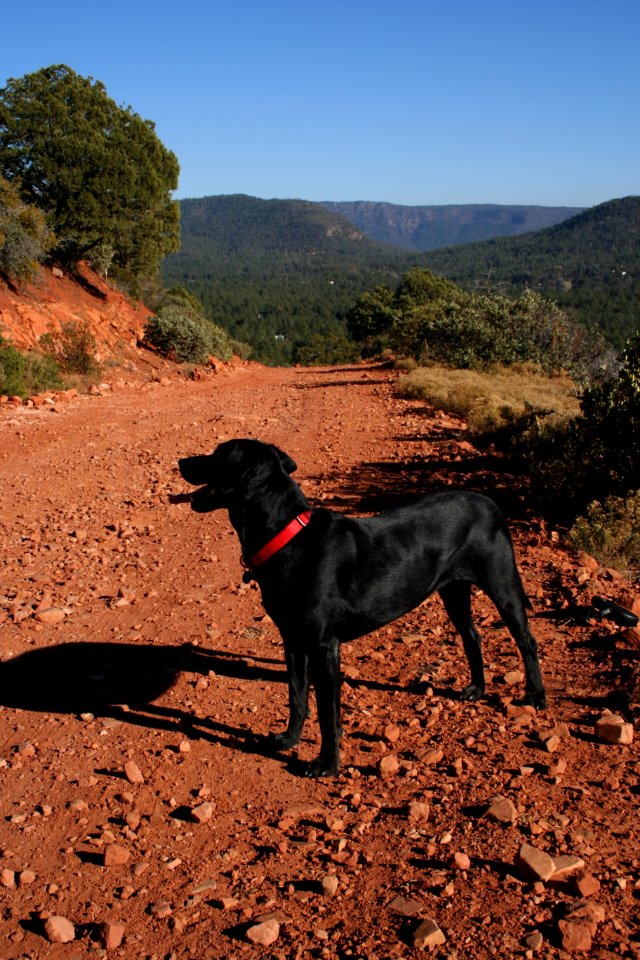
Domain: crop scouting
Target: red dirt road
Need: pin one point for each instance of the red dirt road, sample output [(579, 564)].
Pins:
[(139, 679)]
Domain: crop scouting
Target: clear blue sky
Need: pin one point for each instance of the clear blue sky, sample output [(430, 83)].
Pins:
[(408, 101)]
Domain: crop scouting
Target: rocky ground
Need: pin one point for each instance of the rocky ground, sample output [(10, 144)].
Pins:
[(142, 814)]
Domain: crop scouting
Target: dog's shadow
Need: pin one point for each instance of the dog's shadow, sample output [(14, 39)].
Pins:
[(124, 681)]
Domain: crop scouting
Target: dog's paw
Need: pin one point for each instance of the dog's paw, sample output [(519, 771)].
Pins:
[(472, 692), (283, 741), (322, 768), (535, 698)]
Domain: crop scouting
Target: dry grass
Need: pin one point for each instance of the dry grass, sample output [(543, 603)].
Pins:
[(496, 399)]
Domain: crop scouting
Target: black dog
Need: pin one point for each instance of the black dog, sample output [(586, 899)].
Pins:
[(326, 578)]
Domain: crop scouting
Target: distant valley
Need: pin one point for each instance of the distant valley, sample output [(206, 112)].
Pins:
[(424, 228), (276, 272)]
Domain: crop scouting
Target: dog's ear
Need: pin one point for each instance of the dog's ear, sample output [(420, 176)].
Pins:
[(289, 465)]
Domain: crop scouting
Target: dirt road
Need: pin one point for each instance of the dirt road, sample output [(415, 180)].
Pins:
[(139, 680)]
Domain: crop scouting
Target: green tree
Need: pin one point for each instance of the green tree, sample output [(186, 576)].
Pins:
[(97, 170)]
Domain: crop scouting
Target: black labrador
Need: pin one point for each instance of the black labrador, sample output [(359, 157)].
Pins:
[(326, 578)]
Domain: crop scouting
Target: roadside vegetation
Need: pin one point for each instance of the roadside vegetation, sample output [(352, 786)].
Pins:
[(533, 382)]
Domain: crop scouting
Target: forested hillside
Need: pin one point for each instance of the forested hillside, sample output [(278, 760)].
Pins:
[(276, 272), (431, 227), (590, 263)]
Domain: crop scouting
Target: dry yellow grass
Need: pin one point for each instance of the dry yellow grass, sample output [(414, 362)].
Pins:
[(494, 399)]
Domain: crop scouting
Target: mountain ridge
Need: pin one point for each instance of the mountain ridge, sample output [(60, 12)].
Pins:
[(429, 227)]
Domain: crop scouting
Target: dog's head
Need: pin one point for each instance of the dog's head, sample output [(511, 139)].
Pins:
[(231, 470)]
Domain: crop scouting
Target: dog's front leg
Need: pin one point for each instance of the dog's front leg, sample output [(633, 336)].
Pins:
[(324, 662), (298, 681)]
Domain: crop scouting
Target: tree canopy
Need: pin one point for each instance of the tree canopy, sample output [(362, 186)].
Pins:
[(97, 170)]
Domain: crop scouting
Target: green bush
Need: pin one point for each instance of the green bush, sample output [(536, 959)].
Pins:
[(324, 350), (610, 532), (73, 348), (25, 374), (180, 331), (596, 455), (431, 319), (24, 236)]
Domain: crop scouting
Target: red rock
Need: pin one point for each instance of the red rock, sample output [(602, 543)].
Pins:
[(388, 766), (264, 933), (392, 733), (502, 810), (203, 812), (115, 855), (59, 930), (7, 878), (566, 865), (132, 772), (587, 885), (460, 861), (111, 934), (418, 810), (613, 728), (428, 935), (330, 885), (51, 615), (575, 937), (534, 864)]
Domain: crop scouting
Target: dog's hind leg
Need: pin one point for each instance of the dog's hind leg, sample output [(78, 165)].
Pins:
[(456, 597), (511, 609), (298, 682)]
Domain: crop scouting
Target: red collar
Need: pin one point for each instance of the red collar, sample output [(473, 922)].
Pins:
[(280, 540)]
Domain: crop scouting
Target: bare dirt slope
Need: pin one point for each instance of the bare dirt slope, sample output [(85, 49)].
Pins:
[(141, 810)]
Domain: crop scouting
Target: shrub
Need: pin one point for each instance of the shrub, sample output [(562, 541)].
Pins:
[(73, 348), (25, 374), (431, 319), (178, 334), (324, 350), (597, 455), (24, 236), (611, 533)]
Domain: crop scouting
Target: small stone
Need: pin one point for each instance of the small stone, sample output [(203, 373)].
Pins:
[(502, 810), (418, 810), (552, 743), (428, 935), (406, 908), (132, 772), (566, 865), (534, 864), (115, 855), (203, 812), (7, 878), (51, 615), (76, 806), (534, 941), (460, 861), (614, 729), (26, 878), (59, 930), (432, 756), (160, 910), (111, 934), (392, 733), (184, 746), (330, 885), (264, 933), (388, 766), (587, 885), (513, 678), (575, 937)]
